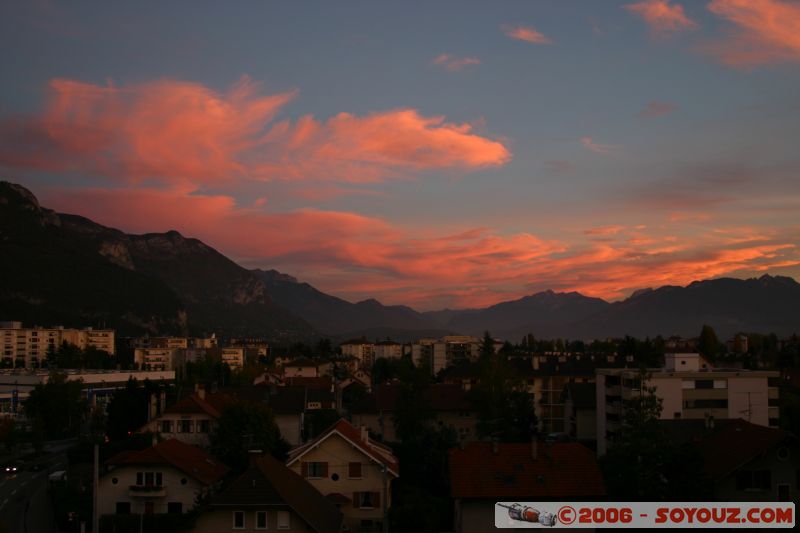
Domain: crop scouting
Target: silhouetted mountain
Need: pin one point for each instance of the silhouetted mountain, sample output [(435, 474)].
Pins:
[(540, 312), (69, 270), (765, 304), (340, 318)]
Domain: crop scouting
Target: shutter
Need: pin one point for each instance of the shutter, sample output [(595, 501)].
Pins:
[(356, 500), (376, 500), (324, 469), (304, 469)]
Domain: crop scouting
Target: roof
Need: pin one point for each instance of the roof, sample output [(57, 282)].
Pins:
[(734, 443), (561, 470), (322, 382), (377, 452), (442, 397), (292, 400), (304, 362), (583, 395), (213, 404), (190, 460), (268, 482)]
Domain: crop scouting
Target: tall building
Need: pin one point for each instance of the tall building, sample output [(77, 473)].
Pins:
[(27, 347), (689, 388)]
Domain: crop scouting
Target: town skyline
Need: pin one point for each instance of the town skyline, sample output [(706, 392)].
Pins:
[(597, 148)]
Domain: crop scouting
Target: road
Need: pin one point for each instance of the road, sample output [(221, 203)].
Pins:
[(25, 505)]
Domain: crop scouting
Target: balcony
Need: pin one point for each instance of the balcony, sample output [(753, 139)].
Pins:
[(146, 491)]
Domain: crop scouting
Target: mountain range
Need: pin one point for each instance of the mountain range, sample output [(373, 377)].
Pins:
[(65, 269)]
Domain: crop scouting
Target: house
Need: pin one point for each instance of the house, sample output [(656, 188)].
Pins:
[(192, 419), (483, 473), (351, 470), (270, 496), (290, 404), (307, 368), (742, 461), (450, 404), (166, 478), (580, 412)]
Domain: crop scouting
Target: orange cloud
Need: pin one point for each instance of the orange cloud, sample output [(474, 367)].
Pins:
[(656, 108), (767, 31), (598, 148), (662, 17), (177, 132), (358, 256), (525, 33), (453, 63)]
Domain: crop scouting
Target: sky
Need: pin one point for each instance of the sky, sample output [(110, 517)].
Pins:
[(433, 154)]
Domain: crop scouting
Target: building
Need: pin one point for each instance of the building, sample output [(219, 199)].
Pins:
[(483, 473), (352, 471), (450, 404), (192, 419), (580, 412), (159, 358), (448, 351), (28, 347), (361, 349), (97, 385), (166, 478), (290, 405), (233, 357), (689, 387), (306, 368), (270, 496), (388, 349)]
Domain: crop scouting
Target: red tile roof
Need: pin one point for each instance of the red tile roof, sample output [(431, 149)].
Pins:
[(323, 382), (212, 404), (190, 460), (734, 443), (561, 470), (378, 452)]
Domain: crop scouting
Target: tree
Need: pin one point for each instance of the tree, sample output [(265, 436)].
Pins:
[(504, 408), (58, 405), (127, 410), (245, 426), (708, 344), (487, 346)]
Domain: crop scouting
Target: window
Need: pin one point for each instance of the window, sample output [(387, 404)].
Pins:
[(366, 500), (159, 479), (123, 507), (720, 383), (316, 469), (354, 470), (704, 384), (203, 426), (184, 426), (149, 479), (261, 520), (149, 508), (687, 384), (166, 426), (773, 382), (754, 480), (703, 403), (174, 507), (238, 520), (283, 519), (773, 402), (140, 478)]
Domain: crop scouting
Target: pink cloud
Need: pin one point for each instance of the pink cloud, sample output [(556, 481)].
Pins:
[(766, 31), (177, 132), (525, 33), (662, 17), (453, 63), (598, 148), (656, 108), (359, 256)]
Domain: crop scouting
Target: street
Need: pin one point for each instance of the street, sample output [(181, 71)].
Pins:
[(25, 504)]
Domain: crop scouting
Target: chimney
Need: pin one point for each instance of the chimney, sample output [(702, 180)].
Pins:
[(535, 362), (200, 390), (534, 449), (364, 434), (154, 440)]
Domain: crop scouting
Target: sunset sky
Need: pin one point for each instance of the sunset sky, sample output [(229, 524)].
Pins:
[(434, 154)]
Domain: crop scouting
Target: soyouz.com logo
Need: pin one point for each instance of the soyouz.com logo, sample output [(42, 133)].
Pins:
[(728, 515)]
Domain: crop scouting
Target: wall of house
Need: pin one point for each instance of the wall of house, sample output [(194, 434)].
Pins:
[(585, 424), (289, 426), (110, 493), (216, 520), (783, 471), (338, 453), (201, 440)]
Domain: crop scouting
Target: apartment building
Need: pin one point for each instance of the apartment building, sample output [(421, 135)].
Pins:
[(361, 349), (689, 388), (233, 357), (159, 358), (388, 349), (22, 347), (448, 351)]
